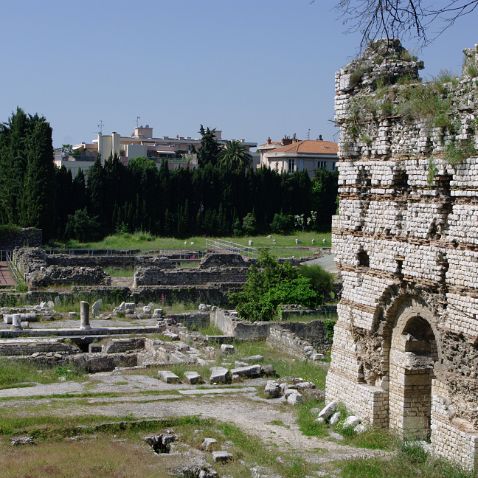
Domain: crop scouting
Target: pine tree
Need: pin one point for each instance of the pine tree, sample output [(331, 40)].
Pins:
[(209, 151)]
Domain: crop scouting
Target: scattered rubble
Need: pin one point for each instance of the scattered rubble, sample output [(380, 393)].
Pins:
[(161, 443), (22, 440), (221, 456), (208, 444), (168, 377)]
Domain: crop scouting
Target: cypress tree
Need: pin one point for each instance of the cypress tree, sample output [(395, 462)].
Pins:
[(38, 198)]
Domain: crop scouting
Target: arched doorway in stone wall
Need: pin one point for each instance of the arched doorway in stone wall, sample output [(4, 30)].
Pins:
[(412, 357)]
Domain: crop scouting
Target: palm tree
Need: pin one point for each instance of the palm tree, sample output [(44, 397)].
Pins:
[(234, 157)]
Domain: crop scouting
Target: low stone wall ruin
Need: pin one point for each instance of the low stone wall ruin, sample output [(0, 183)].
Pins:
[(286, 340), (34, 265), (56, 275), (145, 276), (222, 260), (314, 332)]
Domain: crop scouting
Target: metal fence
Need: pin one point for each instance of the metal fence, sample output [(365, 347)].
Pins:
[(93, 252), (228, 246), (6, 256)]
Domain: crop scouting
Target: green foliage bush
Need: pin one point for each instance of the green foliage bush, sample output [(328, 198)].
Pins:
[(270, 284), (282, 223), (249, 225), (81, 226), (321, 281), (329, 325)]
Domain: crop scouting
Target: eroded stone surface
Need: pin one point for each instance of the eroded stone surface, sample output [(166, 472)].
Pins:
[(405, 243)]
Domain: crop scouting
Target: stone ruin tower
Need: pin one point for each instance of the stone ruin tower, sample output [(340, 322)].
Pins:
[(405, 351)]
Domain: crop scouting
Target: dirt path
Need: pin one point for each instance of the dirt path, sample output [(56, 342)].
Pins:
[(271, 420)]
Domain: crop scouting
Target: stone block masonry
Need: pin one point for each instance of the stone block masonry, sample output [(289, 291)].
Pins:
[(405, 350), (146, 276)]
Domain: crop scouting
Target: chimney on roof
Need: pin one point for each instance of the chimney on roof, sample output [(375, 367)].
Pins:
[(320, 137), (286, 140)]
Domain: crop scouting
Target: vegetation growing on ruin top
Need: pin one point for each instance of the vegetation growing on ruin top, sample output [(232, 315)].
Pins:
[(385, 86)]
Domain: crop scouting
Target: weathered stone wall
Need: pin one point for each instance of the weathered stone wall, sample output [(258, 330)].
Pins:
[(111, 260), (29, 259), (34, 265), (291, 334), (30, 237), (222, 260), (11, 348), (206, 294), (405, 351), (91, 261), (56, 275), (158, 276), (299, 338)]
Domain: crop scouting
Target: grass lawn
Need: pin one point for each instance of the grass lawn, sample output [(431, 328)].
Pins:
[(410, 461), (118, 450), (284, 245), (285, 365), (119, 271), (16, 374)]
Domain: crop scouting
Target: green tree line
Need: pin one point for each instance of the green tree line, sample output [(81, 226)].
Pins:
[(223, 196)]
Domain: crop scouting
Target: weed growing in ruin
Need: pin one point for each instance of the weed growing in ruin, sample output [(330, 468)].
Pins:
[(472, 70), (402, 466), (457, 151), (307, 419), (208, 330), (432, 171), (357, 75), (119, 271)]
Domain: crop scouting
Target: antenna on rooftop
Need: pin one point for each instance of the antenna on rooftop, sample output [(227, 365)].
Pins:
[(137, 121), (100, 127), (308, 133)]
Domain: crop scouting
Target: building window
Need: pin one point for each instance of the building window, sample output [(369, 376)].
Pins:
[(291, 164), (363, 258), (321, 164)]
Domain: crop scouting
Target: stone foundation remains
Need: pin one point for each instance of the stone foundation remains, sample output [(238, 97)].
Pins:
[(298, 338), (405, 350), (33, 264)]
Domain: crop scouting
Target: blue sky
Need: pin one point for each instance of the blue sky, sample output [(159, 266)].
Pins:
[(252, 68)]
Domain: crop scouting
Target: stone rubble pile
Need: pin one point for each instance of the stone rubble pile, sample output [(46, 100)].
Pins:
[(292, 390)]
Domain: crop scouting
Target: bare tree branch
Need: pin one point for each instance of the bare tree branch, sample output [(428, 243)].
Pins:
[(401, 19)]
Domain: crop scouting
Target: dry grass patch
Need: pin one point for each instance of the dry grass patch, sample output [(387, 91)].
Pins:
[(102, 456), (117, 450)]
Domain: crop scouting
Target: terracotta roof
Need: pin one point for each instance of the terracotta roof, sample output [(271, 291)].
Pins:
[(309, 146)]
